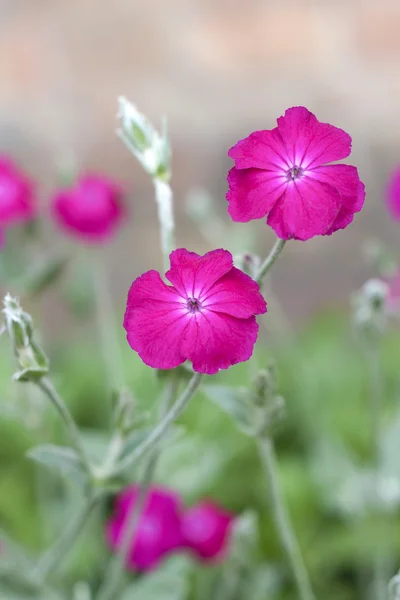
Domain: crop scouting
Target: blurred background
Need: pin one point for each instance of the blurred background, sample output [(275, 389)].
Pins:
[(217, 71)]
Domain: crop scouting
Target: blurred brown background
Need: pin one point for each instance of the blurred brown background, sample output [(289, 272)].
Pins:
[(218, 69)]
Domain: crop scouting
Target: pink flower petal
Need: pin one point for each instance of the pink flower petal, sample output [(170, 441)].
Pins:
[(307, 209), (17, 203), (206, 530), (393, 194), (235, 294), (192, 274), (253, 192), (310, 143), (261, 150), (214, 341), (346, 180)]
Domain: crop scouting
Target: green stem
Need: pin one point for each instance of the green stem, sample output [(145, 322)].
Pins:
[(158, 432), (380, 575), (52, 559), (269, 261), (110, 346), (282, 520), (47, 387), (164, 200), (114, 572)]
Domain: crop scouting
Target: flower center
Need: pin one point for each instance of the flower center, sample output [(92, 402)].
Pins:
[(193, 305), (294, 173)]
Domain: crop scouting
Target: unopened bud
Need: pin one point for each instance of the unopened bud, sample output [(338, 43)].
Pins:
[(32, 361), (248, 263), (370, 314), (146, 144)]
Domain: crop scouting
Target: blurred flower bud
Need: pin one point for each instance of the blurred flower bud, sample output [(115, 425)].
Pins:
[(270, 406), (248, 263), (146, 144), (32, 361), (370, 315)]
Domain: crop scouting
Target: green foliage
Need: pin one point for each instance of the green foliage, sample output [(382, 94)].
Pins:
[(323, 449)]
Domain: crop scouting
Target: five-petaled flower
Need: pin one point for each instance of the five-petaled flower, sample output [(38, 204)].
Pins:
[(393, 194), (207, 316), (283, 173), (17, 203), (91, 209), (158, 531), (206, 531)]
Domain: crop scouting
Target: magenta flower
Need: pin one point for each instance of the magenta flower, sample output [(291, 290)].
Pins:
[(206, 530), (282, 173), (158, 531), (393, 194), (91, 209), (16, 195), (207, 316)]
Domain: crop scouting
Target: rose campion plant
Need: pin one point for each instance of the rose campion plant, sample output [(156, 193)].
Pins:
[(207, 316), (206, 530), (91, 210), (282, 174)]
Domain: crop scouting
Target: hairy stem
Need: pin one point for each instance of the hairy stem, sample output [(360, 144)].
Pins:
[(269, 261), (162, 428), (48, 388), (114, 572), (282, 520), (164, 199)]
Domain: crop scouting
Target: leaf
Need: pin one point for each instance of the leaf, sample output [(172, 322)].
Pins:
[(236, 403), (61, 459), (169, 582)]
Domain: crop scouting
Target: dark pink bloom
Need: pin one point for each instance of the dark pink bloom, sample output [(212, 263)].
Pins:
[(158, 531), (393, 194), (16, 195), (282, 173), (207, 316), (91, 210), (206, 530)]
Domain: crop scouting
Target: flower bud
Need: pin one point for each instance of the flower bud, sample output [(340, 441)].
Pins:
[(248, 263), (32, 361), (146, 144), (370, 314)]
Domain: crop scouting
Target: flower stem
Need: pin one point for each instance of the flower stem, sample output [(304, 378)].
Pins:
[(106, 326), (380, 575), (48, 388), (282, 521), (158, 432), (269, 261), (164, 199), (52, 559), (118, 563)]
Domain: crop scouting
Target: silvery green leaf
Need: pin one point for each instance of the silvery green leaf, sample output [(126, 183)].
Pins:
[(236, 403), (61, 459), (169, 582)]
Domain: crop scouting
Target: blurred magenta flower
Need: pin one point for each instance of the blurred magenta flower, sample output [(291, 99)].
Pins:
[(393, 194), (91, 209), (207, 316), (17, 203), (393, 297), (206, 530), (281, 173), (159, 527)]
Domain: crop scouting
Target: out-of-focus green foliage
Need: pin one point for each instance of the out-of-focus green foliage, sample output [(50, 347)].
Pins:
[(323, 448)]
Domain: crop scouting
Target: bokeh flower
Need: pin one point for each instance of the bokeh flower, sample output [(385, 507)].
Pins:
[(158, 531), (17, 203), (91, 209), (393, 194), (282, 173), (206, 531), (207, 316)]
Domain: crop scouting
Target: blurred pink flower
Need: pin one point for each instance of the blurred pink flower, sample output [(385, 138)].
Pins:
[(207, 316), (206, 530), (393, 297), (158, 531), (393, 194), (91, 209), (16, 194), (282, 173)]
